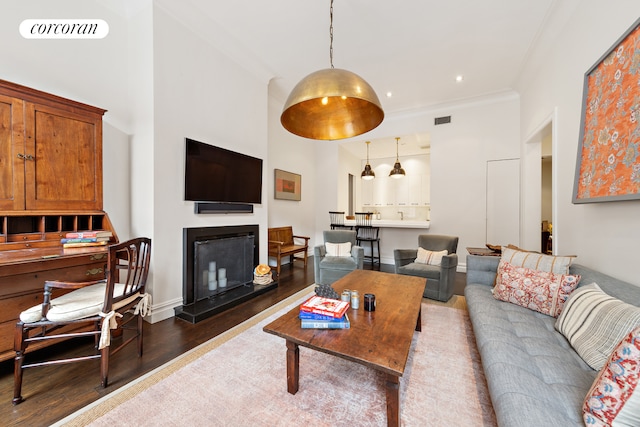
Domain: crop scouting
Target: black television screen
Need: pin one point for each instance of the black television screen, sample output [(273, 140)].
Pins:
[(214, 174)]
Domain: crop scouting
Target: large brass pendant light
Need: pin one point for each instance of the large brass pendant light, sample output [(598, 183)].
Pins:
[(331, 104), (368, 173), (397, 171)]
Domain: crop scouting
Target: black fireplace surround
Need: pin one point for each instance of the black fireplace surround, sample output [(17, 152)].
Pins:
[(218, 265)]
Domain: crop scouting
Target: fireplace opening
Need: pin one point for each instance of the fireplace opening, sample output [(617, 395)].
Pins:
[(222, 264), (218, 266)]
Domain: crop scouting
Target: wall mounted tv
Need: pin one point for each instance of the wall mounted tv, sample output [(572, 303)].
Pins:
[(214, 174)]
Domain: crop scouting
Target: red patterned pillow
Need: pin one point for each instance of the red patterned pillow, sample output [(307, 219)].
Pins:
[(614, 398), (537, 290)]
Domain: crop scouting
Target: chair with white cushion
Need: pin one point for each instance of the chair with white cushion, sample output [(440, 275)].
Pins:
[(435, 260), (89, 309), (337, 257)]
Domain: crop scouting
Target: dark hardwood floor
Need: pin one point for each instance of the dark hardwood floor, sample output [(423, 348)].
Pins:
[(51, 393)]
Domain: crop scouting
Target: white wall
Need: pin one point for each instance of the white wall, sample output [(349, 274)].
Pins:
[(117, 189), (202, 94), (604, 236), (293, 154)]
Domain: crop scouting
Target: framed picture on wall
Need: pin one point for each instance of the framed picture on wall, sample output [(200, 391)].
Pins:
[(608, 165), (287, 185)]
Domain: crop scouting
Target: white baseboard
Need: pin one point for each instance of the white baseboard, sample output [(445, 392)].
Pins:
[(163, 311)]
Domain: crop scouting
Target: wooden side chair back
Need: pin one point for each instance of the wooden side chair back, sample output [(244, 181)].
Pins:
[(336, 219), (366, 232), (120, 301)]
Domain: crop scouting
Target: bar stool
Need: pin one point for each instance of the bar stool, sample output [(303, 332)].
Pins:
[(337, 221), (365, 232)]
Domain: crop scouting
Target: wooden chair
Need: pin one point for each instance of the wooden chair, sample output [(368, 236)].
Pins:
[(365, 232), (337, 221), (282, 243), (90, 309)]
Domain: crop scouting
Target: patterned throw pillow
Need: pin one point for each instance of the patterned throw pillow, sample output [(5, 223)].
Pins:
[(614, 397), (541, 291), (594, 323), (338, 249), (430, 257)]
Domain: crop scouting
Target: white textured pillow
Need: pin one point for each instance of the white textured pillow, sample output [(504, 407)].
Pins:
[(594, 323), (430, 257), (338, 249), (537, 261)]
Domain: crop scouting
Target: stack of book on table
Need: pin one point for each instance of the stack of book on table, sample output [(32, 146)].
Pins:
[(82, 239), (324, 313)]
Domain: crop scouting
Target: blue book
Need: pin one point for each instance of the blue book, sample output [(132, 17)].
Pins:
[(79, 240), (341, 323)]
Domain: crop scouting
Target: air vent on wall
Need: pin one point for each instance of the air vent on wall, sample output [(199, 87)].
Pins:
[(442, 120)]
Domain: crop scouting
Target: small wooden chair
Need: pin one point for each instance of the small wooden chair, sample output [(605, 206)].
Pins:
[(367, 233), (337, 221), (90, 309)]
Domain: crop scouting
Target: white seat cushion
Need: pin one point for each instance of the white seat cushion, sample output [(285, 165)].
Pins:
[(78, 304)]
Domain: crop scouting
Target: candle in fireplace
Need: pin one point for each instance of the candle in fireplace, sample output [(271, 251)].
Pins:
[(213, 284), (222, 277)]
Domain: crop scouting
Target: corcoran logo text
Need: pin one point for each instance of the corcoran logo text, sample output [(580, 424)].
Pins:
[(64, 29)]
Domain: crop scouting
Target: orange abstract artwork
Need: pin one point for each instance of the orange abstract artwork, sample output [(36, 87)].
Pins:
[(287, 185), (609, 152)]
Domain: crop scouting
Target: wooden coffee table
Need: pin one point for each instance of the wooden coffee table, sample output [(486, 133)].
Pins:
[(380, 339)]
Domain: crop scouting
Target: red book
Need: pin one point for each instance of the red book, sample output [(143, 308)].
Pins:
[(326, 306), (88, 234)]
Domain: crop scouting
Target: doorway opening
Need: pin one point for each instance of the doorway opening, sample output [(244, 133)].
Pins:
[(539, 188)]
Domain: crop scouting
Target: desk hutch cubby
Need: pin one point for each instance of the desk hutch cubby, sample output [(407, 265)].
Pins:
[(50, 184)]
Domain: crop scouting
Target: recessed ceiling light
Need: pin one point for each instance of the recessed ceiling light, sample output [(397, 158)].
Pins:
[(389, 94), (459, 78)]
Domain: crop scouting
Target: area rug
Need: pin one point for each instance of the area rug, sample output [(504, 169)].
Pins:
[(239, 379)]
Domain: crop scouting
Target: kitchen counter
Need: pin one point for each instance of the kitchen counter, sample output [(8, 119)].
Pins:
[(393, 223)]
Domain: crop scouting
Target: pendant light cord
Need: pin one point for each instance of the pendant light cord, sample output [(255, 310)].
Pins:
[(331, 34)]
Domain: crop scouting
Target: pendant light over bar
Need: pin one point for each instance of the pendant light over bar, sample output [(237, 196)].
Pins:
[(331, 104), (397, 171), (368, 173)]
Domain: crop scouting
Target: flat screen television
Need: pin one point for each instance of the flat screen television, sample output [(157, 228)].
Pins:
[(214, 174)]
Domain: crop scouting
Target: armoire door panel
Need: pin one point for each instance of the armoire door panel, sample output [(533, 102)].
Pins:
[(11, 153), (65, 157)]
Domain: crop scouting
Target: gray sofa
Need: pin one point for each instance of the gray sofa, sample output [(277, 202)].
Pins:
[(534, 376)]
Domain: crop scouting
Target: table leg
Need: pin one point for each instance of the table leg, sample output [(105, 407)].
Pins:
[(293, 367), (419, 322), (393, 400)]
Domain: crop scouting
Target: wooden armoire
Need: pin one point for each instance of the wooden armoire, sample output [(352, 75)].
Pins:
[(50, 184)]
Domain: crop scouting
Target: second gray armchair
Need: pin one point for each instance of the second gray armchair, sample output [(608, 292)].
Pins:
[(440, 278), (329, 268)]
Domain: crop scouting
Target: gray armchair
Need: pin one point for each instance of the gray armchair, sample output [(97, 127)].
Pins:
[(328, 269), (440, 278)]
